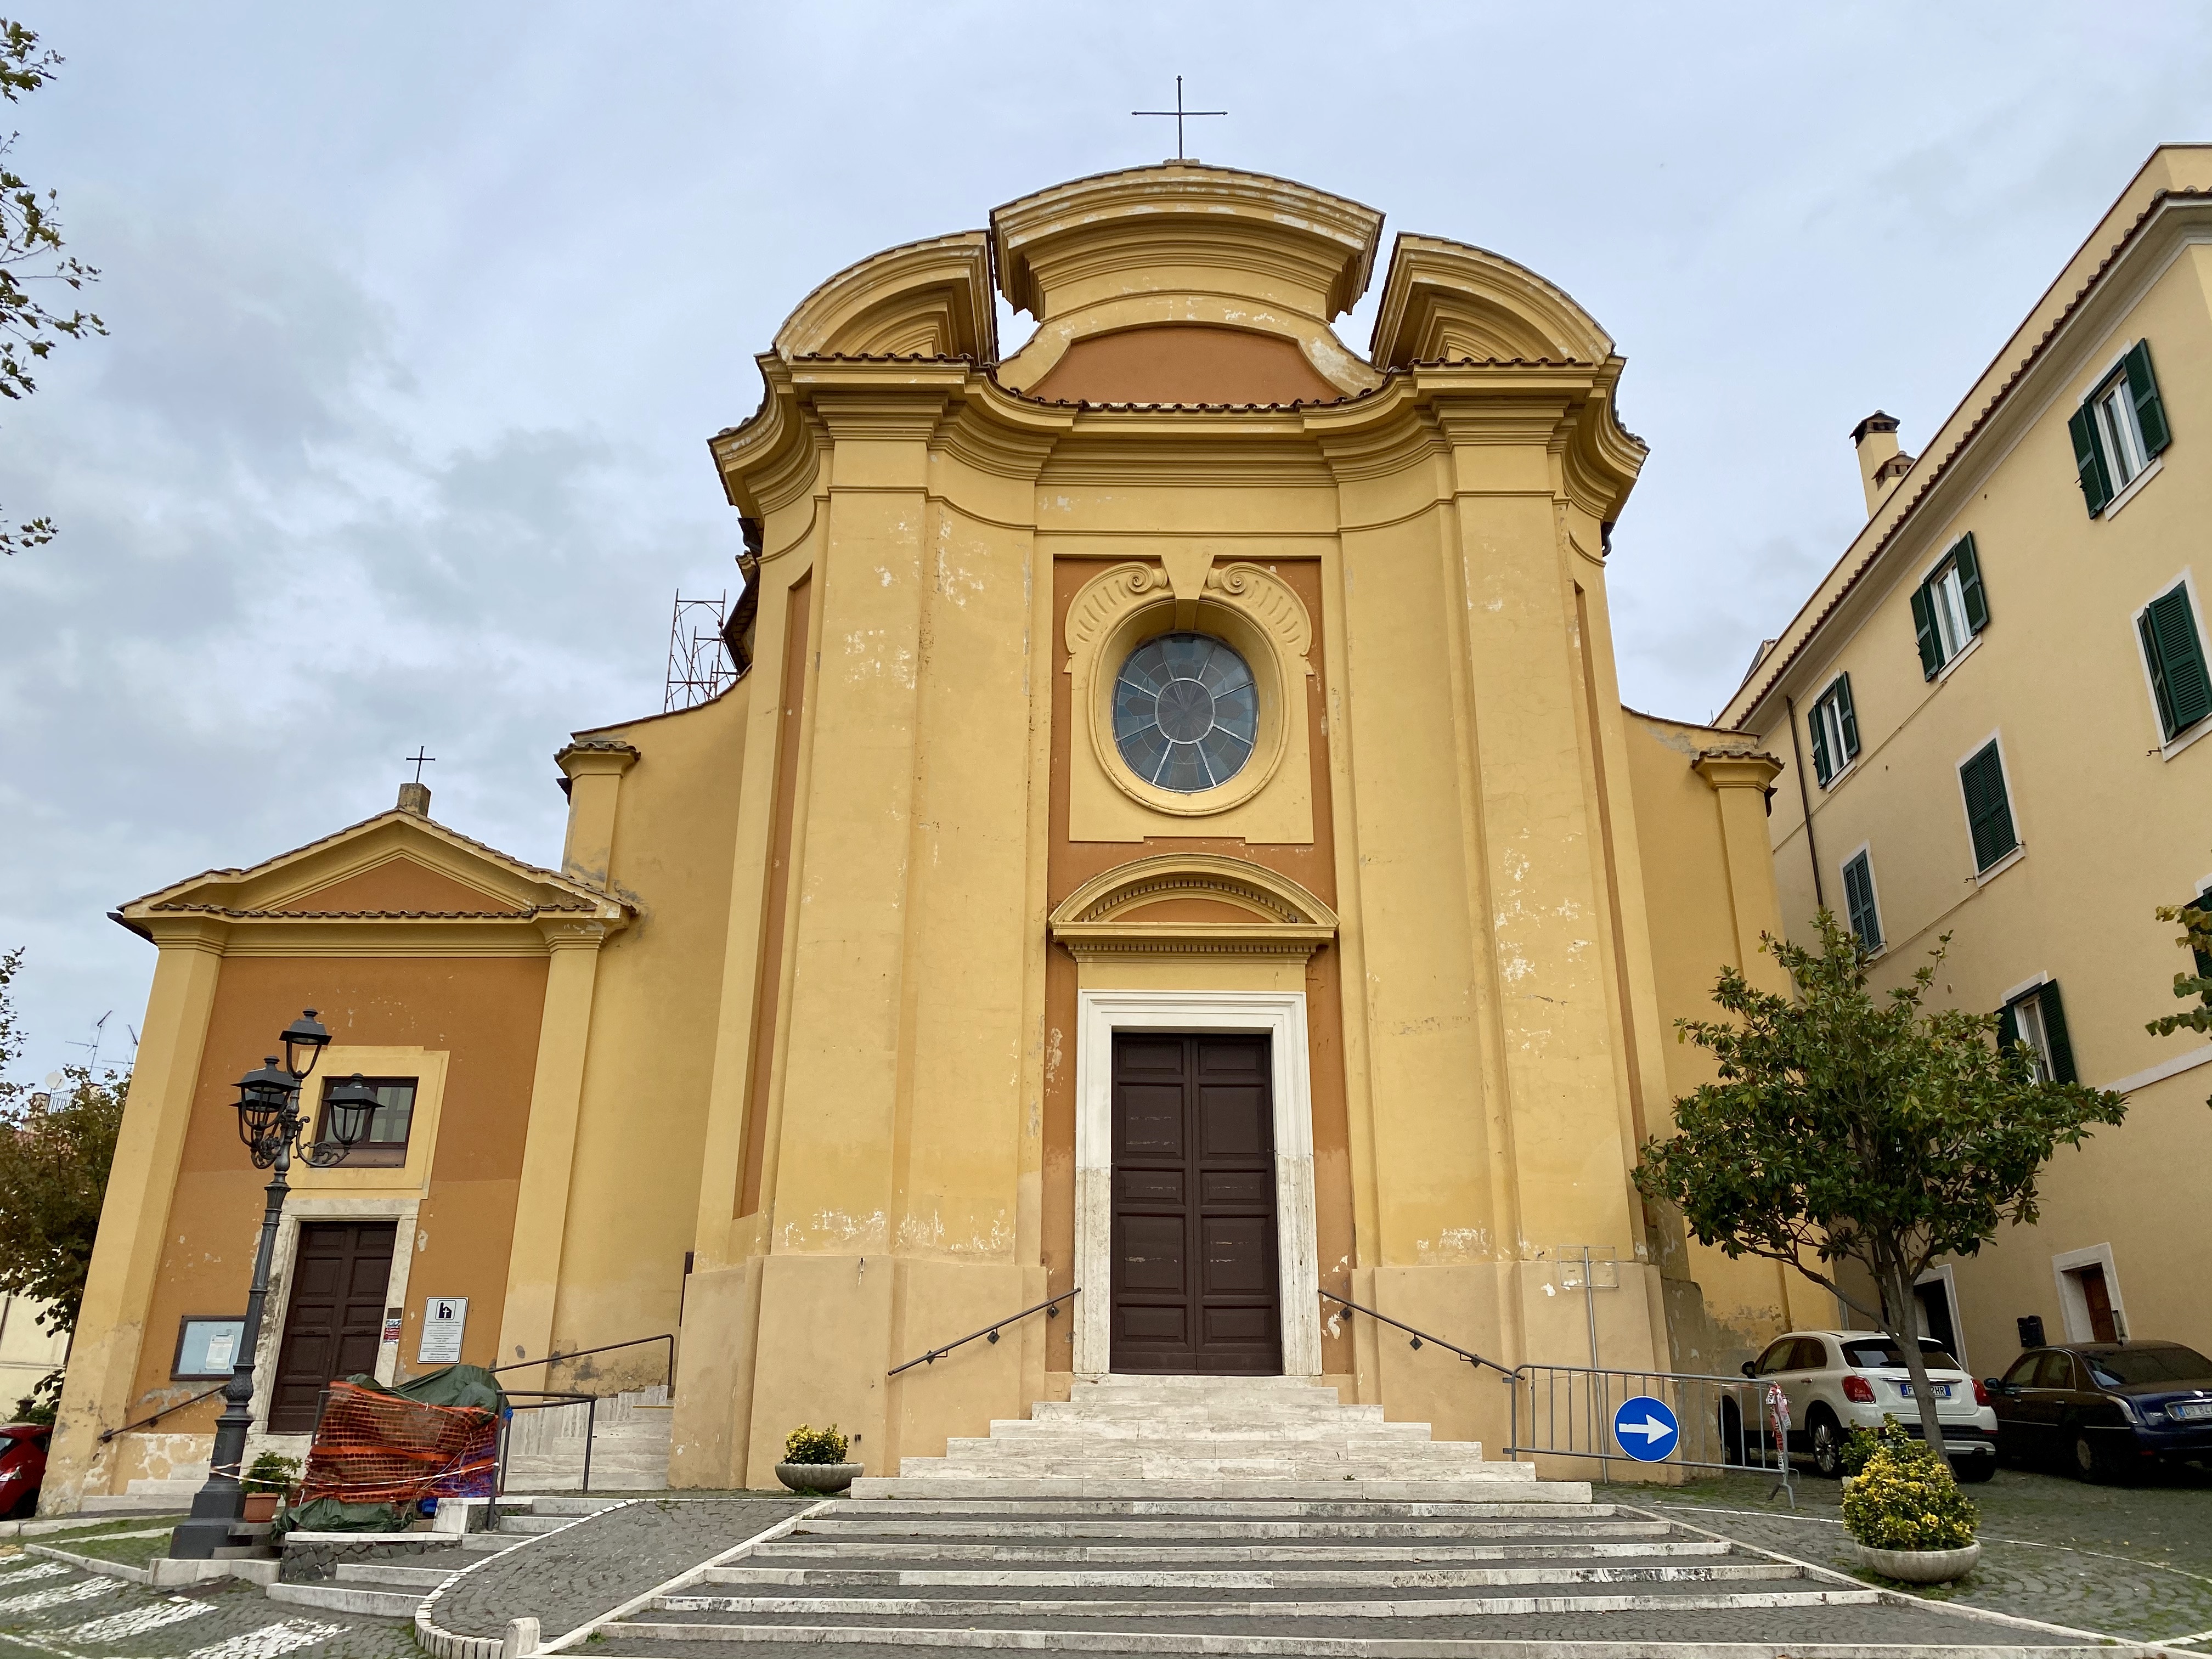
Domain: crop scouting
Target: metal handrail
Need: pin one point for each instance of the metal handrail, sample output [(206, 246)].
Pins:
[(106, 1435), (1418, 1336), (548, 1401), (669, 1337), (1050, 1306)]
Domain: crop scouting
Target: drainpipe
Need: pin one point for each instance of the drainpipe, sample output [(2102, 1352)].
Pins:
[(1804, 799)]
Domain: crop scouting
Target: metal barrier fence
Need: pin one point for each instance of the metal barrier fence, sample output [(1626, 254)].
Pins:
[(1567, 1411)]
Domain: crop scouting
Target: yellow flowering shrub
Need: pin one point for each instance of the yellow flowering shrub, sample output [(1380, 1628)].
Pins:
[(1906, 1499), (806, 1445)]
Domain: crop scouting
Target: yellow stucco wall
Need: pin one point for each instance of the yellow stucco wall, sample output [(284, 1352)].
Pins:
[(2110, 824)]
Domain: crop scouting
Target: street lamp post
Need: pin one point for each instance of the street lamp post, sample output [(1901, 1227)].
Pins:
[(270, 1123)]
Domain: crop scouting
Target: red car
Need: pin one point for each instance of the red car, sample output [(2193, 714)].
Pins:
[(22, 1467)]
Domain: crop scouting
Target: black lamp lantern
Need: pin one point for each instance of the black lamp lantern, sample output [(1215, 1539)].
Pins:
[(263, 1096), (305, 1039), (347, 1108)]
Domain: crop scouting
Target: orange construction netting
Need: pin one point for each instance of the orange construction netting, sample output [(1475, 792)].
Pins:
[(377, 1448)]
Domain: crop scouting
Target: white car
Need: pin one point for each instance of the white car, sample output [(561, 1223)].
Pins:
[(1837, 1381)]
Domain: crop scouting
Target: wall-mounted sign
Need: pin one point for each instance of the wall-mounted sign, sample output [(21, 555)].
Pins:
[(207, 1347), (394, 1319), (444, 1319)]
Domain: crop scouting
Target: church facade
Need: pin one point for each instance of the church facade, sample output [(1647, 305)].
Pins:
[(1175, 847)]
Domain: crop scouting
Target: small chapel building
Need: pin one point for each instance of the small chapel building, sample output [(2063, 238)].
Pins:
[(1175, 845)]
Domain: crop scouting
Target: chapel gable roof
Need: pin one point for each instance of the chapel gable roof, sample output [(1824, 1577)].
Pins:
[(395, 866), (928, 300), (1446, 302)]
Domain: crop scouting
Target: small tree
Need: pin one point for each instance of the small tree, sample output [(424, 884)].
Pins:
[(55, 1150), (1848, 1127)]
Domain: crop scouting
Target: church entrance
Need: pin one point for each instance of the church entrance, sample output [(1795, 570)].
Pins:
[(1195, 1281)]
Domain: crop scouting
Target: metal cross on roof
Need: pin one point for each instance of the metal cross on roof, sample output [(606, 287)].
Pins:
[(419, 756), (1179, 112)]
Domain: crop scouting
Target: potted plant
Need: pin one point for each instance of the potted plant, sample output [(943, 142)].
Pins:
[(265, 1484), (1907, 1518), (814, 1461)]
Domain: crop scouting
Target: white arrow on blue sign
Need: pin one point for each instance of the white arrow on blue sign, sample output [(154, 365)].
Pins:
[(1646, 1428)]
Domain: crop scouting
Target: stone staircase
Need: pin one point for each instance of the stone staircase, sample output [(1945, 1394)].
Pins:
[(629, 1445), (394, 1586), (1552, 1579), (1242, 1436)]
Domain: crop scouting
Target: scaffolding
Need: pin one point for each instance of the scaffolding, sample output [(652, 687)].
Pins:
[(699, 667)]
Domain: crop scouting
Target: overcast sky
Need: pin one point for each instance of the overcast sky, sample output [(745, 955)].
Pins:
[(422, 315)]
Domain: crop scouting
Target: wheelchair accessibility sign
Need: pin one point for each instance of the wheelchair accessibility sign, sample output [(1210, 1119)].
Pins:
[(1646, 1428)]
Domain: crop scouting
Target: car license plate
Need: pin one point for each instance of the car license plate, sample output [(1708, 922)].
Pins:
[(2191, 1411), (1942, 1389)]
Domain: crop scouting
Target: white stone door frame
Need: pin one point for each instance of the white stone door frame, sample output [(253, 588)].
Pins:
[(1282, 1016)]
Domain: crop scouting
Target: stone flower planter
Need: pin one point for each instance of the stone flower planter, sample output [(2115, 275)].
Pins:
[(1919, 1566), (818, 1477), (262, 1505)]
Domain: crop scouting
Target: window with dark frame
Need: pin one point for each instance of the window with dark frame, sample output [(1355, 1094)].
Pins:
[(1858, 900), (2119, 430), (384, 1146), (1989, 806), (1835, 730), (2036, 1020), (2174, 651), (1951, 608)]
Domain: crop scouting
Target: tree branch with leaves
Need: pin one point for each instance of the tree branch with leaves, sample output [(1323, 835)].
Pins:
[(32, 259), (1848, 1126), (56, 1147)]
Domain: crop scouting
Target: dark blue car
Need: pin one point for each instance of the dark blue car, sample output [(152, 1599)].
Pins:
[(2104, 1409)]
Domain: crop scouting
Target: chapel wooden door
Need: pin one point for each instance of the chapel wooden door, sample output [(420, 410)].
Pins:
[(339, 1276), (1195, 1288)]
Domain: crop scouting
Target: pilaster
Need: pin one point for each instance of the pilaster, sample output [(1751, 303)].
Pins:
[(556, 1088), (134, 1219), (1739, 782), (594, 769)]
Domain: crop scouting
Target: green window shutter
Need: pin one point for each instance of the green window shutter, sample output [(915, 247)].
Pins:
[(1989, 812), (1971, 590), (1823, 767), (2203, 901), (1858, 897), (2175, 652), (2061, 1057), (2007, 1028), (1924, 624), (2090, 461), (2142, 390), (1846, 717)]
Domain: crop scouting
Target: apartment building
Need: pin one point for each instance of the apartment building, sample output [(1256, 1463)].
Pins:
[(1989, 714)]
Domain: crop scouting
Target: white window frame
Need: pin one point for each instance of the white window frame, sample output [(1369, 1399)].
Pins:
[(1983, 878), (2113, 417), (2164, 747), (1863, 850), (2117, 372), (2018, 997), (2073, 1305), (1832, 722)]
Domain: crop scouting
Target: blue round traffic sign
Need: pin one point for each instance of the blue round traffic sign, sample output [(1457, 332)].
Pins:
[(1646, 1428)]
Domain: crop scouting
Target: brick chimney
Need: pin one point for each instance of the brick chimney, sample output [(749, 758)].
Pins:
[(415, 798), (1881, 462)]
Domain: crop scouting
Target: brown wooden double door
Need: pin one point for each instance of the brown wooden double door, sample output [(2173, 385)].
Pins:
[(336, 1319), (1195, 1287)]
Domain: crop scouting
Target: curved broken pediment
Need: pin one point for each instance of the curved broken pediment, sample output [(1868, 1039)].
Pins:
[(1449, 302), (928, 299)]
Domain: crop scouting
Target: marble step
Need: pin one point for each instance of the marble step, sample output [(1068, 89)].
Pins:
[(1693, 1562), (533, 1524), (391, 1574), (862, 1527), (1465, 1488), (349, 1598), (903, 1509)]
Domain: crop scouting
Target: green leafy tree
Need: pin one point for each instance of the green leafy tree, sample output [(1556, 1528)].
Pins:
[(2197, 938), (30, 258), (55, 1150), (1848, 1126)]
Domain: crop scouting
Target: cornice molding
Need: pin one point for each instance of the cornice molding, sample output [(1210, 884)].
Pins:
[(1727, 768), (929, 298)]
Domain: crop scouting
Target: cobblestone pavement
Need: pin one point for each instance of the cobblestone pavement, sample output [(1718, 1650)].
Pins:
[(48, 1608), (596, 1565), (2134, 1562)]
